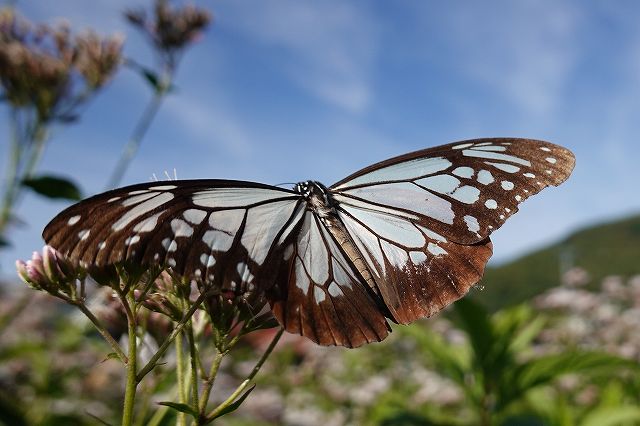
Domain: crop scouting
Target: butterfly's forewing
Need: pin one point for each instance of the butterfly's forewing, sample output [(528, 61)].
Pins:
[(215, 230), (464, 190), (422, 221), (319, 295)]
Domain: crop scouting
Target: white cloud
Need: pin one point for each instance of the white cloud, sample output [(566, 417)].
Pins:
[(329, 47)]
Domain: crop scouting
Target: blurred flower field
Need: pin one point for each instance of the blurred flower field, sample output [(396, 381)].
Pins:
[(567, 356)]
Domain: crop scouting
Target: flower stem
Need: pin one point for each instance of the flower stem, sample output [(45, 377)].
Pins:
[(245, 384), (208, 383), (132, 382), (103, 332), (132, 147), (193, 356), (177, 329), (180, 372)]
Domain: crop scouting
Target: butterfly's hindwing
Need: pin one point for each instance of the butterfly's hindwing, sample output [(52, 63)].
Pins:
[(318, 294), (417, 271)]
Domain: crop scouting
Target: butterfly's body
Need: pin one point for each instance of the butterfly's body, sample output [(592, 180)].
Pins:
[(400, 239)]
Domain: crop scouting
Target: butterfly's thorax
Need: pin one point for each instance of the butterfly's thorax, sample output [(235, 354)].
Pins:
[(320, 201)]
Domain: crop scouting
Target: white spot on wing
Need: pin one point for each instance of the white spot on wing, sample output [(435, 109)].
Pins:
[(144, 195), (449, 185), (462, 146), (141, 209), (491, 204), (318, 293), (434, 236), (435, 249), (403, 195), (147, 225), (496, 156), (84, 234), (545, 149), (163, 187), (406, 170), (472, 224), (506, 185), (551, 160), (485, 177), (493, 148), (302, 280), (334, 290), (263, 225), (464, 172), (181, 228), (417, 257), (132, 240), (314, 254), (518, 198), (236, 197), (288, 252), (194, 216), (73, 220), (389, 227), (529, 175), (509, 168)]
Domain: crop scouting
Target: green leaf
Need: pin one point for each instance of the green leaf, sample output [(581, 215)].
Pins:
[(475, 321), (53, 187), (450, 360), (234, 406), (183, 408), (544, 370), (612, 416)]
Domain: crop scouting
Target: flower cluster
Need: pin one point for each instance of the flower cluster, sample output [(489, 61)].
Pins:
[(170, 29), (49, 271), (51, 71), (608, 319)]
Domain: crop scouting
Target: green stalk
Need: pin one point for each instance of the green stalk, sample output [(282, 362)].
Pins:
[(245, 384), (208, 383), (180, 372), (193, 356), (132, 147), (12, 174), (177, 330), (132, 382), (103, 332)]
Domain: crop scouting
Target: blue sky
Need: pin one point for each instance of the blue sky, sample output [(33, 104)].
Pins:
[(283, 91)]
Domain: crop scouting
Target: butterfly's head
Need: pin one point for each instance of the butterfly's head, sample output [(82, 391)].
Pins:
[(317, 194)]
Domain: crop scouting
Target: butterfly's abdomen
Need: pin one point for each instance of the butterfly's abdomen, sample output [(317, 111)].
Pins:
[(319, 201)]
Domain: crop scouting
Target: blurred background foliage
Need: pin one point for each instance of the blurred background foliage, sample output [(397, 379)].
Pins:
[(550, 338)]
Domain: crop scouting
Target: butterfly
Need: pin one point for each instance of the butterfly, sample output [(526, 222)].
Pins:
[(398, 240)]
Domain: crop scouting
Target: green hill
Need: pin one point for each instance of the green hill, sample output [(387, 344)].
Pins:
[(606, 249)]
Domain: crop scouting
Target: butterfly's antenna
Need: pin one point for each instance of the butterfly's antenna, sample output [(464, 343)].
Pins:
[(285, 183), (175, 174)]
